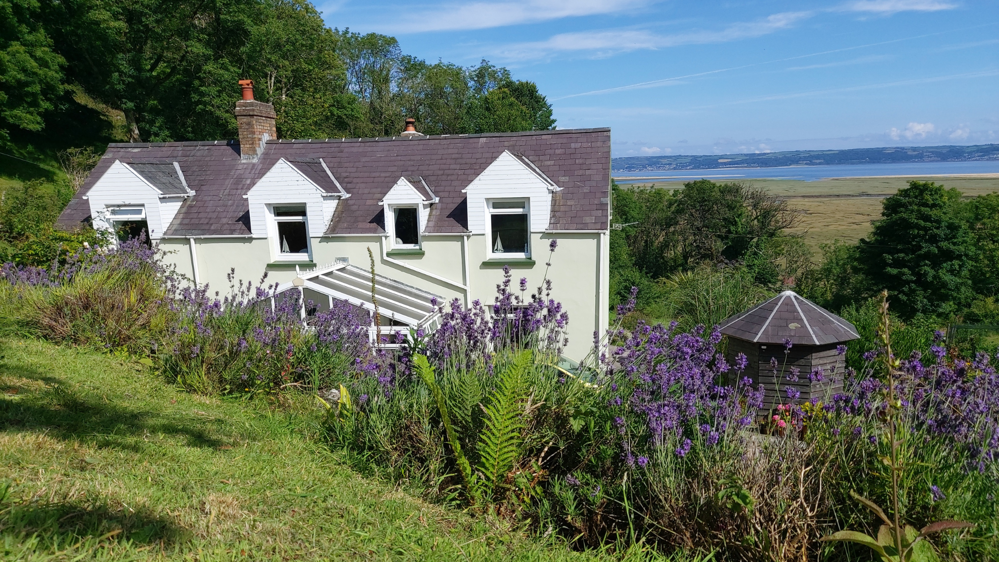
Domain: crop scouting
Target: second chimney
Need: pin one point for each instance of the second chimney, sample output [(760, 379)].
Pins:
[(410, 130), (256, 121)]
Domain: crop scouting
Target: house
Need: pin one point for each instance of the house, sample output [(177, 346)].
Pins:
[(442, 215), (763, 333)]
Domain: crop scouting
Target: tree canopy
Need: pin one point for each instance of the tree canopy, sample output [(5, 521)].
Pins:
[(170, 69), (921, 251)]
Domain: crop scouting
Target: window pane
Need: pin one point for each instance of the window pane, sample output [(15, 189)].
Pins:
[(127, 212), (293, 237), (407, 229), (509, 204), (509, 234), (289, 212), (126, 230)]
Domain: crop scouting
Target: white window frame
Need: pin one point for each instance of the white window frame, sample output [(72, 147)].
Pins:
[(490, 211), (391, 228), (275, 220), (112, 220)]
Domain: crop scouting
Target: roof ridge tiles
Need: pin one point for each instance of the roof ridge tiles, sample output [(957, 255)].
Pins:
[(442, 137)]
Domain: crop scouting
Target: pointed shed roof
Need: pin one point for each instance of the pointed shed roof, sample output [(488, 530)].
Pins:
[(789, 316)]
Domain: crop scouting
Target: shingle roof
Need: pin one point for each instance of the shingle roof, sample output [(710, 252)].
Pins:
[(578, 161), (165, 176), (789, 316)]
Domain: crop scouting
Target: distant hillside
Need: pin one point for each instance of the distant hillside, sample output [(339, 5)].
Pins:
[(808, 158)]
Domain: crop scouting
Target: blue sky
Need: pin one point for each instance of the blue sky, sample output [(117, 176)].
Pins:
[(707, 77)]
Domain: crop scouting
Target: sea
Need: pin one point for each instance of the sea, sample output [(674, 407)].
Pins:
[(814, 173)]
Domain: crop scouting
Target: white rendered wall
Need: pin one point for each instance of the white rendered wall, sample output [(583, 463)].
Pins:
[(578, 273)]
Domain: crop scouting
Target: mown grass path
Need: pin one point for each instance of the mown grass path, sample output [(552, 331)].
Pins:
[(102, 460)]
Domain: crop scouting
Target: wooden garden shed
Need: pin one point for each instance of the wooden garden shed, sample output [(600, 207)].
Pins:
[(761, 334)]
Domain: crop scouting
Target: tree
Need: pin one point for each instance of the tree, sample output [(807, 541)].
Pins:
[(539, 111), (31, 76), (982, 216), (921, 251)]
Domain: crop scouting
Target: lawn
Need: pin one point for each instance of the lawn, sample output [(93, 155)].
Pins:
[(102, 460)]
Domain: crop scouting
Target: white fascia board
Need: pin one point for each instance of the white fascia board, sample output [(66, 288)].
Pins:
[(343, 193), (532, 169), (405, 183), (138, 175)]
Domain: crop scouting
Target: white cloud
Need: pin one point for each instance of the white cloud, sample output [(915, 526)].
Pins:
[(912, 131), (888, 7), (960, 133), (611, 41), (648, 150), (484, 15)]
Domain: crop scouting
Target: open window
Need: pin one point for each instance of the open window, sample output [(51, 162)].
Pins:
[(405, 227), (292, 230), (508, 226), (129, 222)]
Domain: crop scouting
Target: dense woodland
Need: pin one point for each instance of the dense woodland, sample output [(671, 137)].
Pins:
[(87, 71)]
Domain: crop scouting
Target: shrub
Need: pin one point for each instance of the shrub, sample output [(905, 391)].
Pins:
[(114, 298)]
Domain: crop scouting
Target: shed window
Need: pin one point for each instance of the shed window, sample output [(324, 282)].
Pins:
[(406, 227), (509, 228), (292, 231)]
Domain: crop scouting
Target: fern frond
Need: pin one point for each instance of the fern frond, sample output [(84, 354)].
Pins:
[(463, 398), (429, 376), (499, 443)]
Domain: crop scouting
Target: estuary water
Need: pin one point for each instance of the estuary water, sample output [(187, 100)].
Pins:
[(815, 173)]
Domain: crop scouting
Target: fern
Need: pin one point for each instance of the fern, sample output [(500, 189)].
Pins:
[(429, 377), (499, 444), (463, 397)]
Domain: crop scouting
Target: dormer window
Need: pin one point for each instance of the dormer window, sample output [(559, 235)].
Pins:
[(406, 228), (509, 228), (291, 226), (129, 222)]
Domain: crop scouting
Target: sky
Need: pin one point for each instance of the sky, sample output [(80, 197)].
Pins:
[(714, 77)]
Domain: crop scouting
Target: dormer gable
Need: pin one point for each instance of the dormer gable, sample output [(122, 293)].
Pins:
[(409, 190), (308, 183), (150, 191), (510, 176)]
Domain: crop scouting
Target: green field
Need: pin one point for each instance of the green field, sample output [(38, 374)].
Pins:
[(101, 460), (843, 208)]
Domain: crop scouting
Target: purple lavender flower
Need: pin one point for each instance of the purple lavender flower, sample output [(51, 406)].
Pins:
[(572, 481), (937, 494), (553, 244), (840, 349), (642, 461), (684, 448)]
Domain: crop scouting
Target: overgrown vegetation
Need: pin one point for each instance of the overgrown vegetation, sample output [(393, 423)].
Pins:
[(641, 449)]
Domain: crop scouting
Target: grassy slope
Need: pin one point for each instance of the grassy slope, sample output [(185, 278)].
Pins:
[(104, 461)]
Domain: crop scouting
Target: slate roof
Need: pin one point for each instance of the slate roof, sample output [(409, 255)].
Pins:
[(577, 160), (165, 176), (789, 316), (317, 174), (421, 187)]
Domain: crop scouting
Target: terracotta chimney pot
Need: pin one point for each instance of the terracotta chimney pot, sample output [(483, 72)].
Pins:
[(247, 89), (411, 129)]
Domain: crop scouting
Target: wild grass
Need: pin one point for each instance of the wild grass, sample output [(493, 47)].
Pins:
[(102, 461)]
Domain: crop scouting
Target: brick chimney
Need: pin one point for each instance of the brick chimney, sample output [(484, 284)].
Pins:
[(256, 124)]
